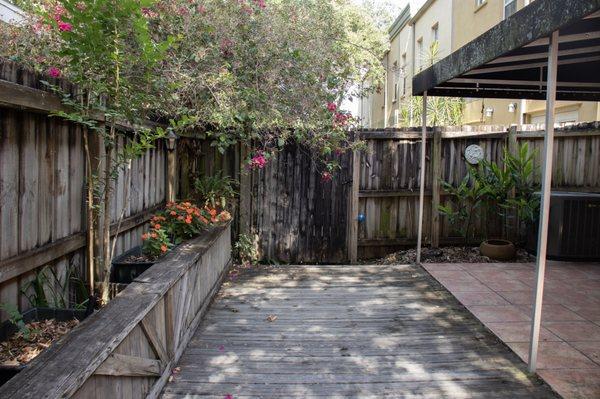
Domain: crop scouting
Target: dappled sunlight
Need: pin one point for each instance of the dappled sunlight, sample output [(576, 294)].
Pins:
[(338, 333)]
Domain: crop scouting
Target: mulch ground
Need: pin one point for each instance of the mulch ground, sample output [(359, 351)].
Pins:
[(20, 349), (448, 255)]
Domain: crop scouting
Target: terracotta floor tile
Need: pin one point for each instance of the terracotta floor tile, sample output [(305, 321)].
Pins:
[(480, 298), (589, 348), (574, 384), (518, 331), (526, 297), (504, 313), (553, 312), (462, 286), (554, 355), (575, 330), (452, 275), (441, 266), (507, 285)]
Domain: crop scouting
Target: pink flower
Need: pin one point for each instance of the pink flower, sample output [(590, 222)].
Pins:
[(331, 107), (228, 396), (221, 348), (64, 26), (258, 161), (148, 13), (326, 176), (59, 11), (54, 72), (201, 9), (260, 3)]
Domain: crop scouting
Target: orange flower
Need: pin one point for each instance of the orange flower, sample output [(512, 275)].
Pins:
[(188, 220), (203, 220), (224, 216), (157, 226), (173, 213), (163, 248), (179, 217), (212, 212), (144, 236)]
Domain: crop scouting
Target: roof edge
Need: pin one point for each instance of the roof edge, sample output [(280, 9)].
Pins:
[(537, 20)]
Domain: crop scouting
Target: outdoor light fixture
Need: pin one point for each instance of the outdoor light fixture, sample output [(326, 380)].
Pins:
[(489, 111), (361, 217), (512, 107), (171, 138)]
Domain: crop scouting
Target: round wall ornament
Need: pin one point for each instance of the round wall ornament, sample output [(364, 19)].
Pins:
[(473, 154)]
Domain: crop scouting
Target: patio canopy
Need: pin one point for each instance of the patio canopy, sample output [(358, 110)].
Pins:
[(510, 60), (548, 50)]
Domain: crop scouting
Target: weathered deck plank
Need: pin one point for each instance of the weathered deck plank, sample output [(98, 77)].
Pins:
[(345, 331)]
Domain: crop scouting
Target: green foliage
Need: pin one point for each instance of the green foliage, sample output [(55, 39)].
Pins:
[(215, 191), (156, 243), (16, 318), (506, 191), (441, 111), (49, 289), (469, 194), (246, 249)]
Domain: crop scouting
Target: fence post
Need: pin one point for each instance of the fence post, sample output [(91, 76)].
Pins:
[(171, 167), (245, 215), (353, 206), (513, 149), (94, 244), (436, 175)]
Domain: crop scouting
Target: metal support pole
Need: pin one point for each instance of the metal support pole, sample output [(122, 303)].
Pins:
[(422, 180), (545, 202)]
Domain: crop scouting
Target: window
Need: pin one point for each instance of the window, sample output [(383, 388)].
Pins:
[(479, 3), (435, 33), (420, 54), (403, 74), (396, 117), (396, 72), (510, 7)]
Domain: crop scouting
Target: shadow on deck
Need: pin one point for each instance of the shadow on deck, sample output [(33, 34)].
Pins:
[(345, 331)]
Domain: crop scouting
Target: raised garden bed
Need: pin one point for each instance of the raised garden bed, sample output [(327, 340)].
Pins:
[(129, 265), (45, 326), (132, 343)]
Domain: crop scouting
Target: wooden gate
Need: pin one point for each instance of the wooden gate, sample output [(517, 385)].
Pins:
[(299, 218)]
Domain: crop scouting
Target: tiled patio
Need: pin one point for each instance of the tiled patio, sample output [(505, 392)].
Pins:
[(501, 296)]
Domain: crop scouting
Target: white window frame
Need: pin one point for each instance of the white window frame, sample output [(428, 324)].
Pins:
[(435, 32), (506, 3)]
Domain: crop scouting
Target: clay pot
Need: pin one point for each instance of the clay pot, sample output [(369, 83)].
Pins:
[(498, 249)]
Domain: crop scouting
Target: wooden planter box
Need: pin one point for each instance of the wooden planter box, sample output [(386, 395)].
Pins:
[(125, 272), (7, 329), (133, 343)]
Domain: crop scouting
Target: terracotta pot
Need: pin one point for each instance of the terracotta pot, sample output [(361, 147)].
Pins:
[(498, 249)]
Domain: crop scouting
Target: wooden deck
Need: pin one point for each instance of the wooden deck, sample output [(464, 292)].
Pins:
[(345, 331)]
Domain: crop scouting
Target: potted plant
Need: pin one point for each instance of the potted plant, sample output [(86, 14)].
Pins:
[(505, 195)]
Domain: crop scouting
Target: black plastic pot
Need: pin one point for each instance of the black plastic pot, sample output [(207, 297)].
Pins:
[(36, 314), (124, 272)]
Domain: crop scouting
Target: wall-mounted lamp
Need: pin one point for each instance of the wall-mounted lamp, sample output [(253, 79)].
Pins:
[(512, 108), (171, 139), (489, 111)]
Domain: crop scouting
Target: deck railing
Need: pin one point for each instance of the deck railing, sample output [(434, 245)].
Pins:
[(129, 348)]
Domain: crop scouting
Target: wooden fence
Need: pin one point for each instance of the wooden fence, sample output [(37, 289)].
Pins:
[(389, 171), (130, 347), (42, 188)]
